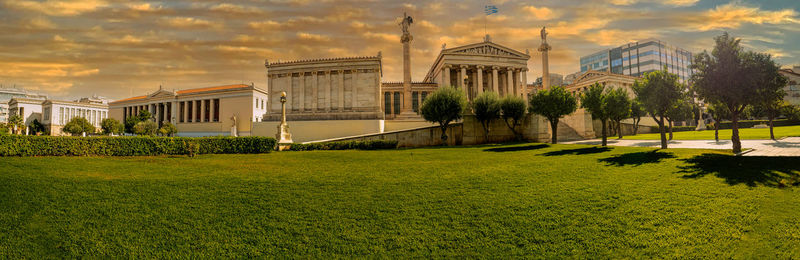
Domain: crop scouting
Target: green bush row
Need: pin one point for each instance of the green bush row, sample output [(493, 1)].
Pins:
[(346, 145), (16, 145), (751, 123)]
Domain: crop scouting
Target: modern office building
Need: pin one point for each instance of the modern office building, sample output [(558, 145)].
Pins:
[(637, 58)]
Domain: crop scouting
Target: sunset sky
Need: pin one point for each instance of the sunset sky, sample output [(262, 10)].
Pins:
[(70, 49)]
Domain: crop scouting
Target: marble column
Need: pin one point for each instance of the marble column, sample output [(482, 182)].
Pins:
[(480, 79), (314, 85), (341, 90), (510, 83), (495, 78), (302, 105), (185, 111), (327, 95), (461, 75), (354, 88), (447, 80), (211, 110), (202, 111), (525, 84), (391, 104)]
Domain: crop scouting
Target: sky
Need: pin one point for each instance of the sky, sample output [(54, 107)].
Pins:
[(118, 49)]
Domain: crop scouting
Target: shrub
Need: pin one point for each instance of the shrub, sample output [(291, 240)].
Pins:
[(131, 146), (4, 129), (486, 108), (346, 145), (444, 106), (145, 128), (167, 129), (78, 125), (111, 126), (37, 127), (513, 112)]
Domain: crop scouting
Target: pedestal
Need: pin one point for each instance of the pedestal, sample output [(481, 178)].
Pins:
[(284, 137)]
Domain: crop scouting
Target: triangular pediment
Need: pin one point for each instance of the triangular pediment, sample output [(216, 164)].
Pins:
[(161, 93), (487, 48), (590, 74)]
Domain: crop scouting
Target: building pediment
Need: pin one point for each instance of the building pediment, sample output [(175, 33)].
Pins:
[(487, 48), (161, 93)]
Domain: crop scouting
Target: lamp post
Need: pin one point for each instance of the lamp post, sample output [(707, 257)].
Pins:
[(283, 136)]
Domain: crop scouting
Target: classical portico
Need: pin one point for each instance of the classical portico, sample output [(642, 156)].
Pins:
[(480, 67)]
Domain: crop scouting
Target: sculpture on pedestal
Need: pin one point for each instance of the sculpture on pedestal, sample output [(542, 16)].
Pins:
[(283, 136), (234, 129), (407, 111), (544, 48)]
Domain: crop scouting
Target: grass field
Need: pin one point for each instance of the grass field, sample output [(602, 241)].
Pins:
[(724, 134), (545, 201)]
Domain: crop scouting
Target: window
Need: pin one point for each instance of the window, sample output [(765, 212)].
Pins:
[(197, 111), (216, 110), (387, 103), (398, 99), (415, 101), (61, 116), (189, 106), (424, 95)]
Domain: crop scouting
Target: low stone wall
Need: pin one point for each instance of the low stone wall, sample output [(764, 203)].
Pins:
[(627, 128), (304, 131)]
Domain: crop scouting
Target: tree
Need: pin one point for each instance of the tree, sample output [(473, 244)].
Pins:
[(111, 126), (718, 112), (16, 123), (658, 92), (167, 129), (4, 129), (637, 112), (145, 128), (130, 122), (36, 127), (791, 112), (553, 104), (443, 106), (618, 107), (734, 78), (513, 108), (770, 96), (486, 108), (681, 111), (77, 126), (594, 101)]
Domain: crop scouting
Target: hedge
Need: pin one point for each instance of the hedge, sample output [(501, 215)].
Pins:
[(751, 123), (346, 145), (17, 145)]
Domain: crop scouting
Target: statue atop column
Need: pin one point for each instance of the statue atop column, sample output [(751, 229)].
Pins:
[(545, 48), (544, 34), (405, 24), (407, 111)]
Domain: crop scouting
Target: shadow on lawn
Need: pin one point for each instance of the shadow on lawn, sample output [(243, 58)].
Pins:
[(637, 158), (517, 148), (578, 151), (749, 170)]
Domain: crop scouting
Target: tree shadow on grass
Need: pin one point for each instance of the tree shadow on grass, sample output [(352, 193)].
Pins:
[(749, 170), (517, 148), (637, 158), (578, 151)]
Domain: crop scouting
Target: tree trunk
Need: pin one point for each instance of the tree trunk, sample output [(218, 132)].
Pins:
[(444, 134), (737, 145), (619, 129), (554, 129), (716, 131), (670, 130), (603, 132), (771, 133), (636, 126), (663, 133), (486, 131)]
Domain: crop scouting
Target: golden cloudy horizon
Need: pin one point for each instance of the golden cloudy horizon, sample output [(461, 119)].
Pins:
[(117, 49)]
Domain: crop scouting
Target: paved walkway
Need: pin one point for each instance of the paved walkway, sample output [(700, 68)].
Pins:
[(789, 146)]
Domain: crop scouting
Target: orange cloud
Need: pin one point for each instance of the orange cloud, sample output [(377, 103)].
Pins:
[(733, 15)]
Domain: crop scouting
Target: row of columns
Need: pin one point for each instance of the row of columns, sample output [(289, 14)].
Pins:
[(165, 111), (391, 111), (94, 116), (327, 76), (515, 83)]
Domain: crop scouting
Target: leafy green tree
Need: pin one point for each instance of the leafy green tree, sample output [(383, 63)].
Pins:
[(718, 112), (4, 130), (618, 107), (167, 129), (770, 98), (486, 108), (791, 112), (594, 101), (637, 112), (444, 106), (77, 126), (658, 92), (513, 112), (553, 104), (145, 128), (681, 111), (130, 122), (17, 124), (734, 78), (111, 126), (36, 127)]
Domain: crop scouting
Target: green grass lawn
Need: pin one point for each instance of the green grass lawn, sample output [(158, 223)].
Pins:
[(545, 201), (724, 134)]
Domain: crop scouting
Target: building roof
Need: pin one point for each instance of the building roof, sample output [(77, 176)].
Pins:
[(292, 62), (206, 89), (129, 99), (190, 91)]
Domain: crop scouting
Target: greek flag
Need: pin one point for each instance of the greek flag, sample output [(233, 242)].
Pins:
[(490, 9)]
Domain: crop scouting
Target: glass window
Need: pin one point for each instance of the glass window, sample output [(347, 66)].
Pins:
[(387, 102), (398, 99), (415, 101)]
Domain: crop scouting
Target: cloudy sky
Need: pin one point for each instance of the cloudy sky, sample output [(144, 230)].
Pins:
[(69, 49)]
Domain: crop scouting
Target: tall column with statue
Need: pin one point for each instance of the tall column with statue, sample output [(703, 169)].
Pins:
[(544, 48), (407, 110), (283, 136)]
